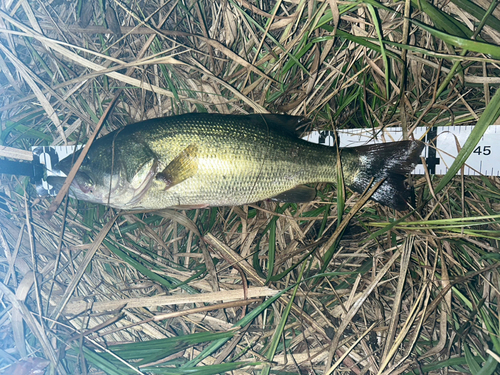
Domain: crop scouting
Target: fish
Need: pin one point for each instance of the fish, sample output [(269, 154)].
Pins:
[(199, 160)]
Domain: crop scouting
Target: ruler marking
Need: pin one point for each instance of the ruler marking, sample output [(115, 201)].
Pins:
[(432, 160)]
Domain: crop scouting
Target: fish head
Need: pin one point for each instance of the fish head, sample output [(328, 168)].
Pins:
[(108, 177)]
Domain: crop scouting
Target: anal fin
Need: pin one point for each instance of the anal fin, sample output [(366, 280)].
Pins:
[(190, 206), (299, 194)]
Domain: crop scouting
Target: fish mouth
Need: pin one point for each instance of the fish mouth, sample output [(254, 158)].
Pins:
[(82, 186), (112, 190), (57, 183)]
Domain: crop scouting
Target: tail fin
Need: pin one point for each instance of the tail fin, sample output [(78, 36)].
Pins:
[(391, 161)]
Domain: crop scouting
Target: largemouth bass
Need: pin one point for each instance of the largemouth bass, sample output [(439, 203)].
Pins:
[(200, 160)]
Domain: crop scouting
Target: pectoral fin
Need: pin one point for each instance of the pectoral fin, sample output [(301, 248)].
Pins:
[(182, 167), (299, 194)]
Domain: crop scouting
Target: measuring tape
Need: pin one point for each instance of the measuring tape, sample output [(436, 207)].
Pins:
[(446, 142), (44, 158)]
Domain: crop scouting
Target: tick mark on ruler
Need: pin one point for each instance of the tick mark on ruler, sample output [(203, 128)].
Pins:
[(431, 159), (326, 135)]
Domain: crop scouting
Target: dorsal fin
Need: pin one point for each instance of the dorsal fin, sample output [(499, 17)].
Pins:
[(293, 125)]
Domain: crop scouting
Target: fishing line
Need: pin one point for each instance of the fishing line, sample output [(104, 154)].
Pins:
[(112, 163)]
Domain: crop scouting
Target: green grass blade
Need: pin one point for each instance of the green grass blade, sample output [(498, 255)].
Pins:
[(471, 361), (442, 20), (340, 188), (137, 265), (361, 41), (489, 367), (489, 116), (241, 323), (271, 254), (464, 43), (138, 350), (387, 228), (450, 363), (436, 55), (281, 326), (256, 24), (110, 367), (202, 370), (477, 12), (380, 35), (260, 309), (159, 349)]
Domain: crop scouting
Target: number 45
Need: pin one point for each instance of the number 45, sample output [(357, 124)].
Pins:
[(484, 150)]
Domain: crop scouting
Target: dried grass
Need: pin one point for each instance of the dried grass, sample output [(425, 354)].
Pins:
[(330, 291)]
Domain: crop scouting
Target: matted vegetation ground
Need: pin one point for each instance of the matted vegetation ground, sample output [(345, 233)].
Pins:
[(337, 285)]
